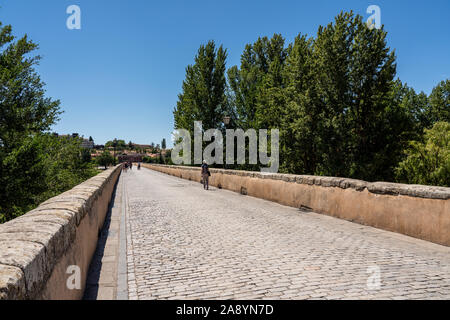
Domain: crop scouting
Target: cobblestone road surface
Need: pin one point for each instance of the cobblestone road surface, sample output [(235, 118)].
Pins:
[(187, 243)]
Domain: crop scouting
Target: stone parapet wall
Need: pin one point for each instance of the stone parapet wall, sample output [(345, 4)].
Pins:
[(38, 249), (419, 211)]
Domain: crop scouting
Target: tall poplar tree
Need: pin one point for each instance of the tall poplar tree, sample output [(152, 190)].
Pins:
[(25, 113), (203, 96), (299, 138), (440, 102), (355, 72)]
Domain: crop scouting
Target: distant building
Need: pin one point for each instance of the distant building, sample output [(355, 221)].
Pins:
[(87, 144), (135, 157)]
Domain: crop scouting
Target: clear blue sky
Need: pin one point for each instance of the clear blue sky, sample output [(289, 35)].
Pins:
[(119, 76)]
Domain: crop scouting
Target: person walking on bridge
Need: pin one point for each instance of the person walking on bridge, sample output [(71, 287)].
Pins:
[(205, 175)]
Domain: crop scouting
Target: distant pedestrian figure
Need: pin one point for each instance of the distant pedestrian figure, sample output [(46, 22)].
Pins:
[(131, 165), (139, 166), (205, 175), (125, 167)]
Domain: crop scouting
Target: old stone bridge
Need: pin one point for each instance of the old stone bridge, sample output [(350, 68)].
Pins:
[(155, 233)]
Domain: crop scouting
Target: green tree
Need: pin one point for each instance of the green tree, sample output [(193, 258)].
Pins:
[(163, 144), (42, 167), (270, 103), (440, 102), (117, 144), (352, 87), (256, 99), (25, 112), (428, 161), (86, 155), (417, 107), (65, 164), (299, 119), (22, 179), (203, 96), (105, 159), (24, 107), (261, 62)]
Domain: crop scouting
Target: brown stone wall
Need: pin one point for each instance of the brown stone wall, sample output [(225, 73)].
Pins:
[(37, 248), (418, 211)]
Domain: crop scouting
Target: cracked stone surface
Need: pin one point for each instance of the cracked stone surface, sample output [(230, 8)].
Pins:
[(187, 243)]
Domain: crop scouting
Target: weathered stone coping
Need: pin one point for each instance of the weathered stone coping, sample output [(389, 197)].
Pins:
[(419, 191), (33, 244)]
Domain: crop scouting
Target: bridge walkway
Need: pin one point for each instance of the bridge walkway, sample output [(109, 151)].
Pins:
[(183, 242)]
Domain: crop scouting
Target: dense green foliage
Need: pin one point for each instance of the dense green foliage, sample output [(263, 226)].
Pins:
[(203, 98), (428, 161), (440, 102), (34, 165), (334, 98)]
